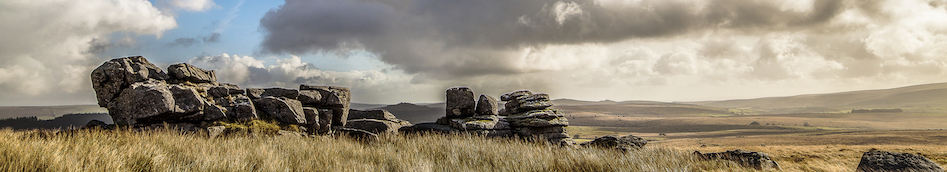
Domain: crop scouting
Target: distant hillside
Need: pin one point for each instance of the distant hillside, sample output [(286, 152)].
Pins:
[(415, 113), (47, 112), (918, 96), (62, 122)]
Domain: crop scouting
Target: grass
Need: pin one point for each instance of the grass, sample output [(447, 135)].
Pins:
[(168, 150)]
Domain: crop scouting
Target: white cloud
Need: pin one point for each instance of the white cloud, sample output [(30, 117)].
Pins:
[(186, 5), (46, 55)]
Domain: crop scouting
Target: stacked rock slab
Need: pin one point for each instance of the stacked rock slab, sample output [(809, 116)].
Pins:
[(530, 116), (137, 93), (525, 114), (377, 121)]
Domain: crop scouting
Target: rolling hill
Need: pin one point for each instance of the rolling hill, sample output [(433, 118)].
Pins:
[(917, 97)]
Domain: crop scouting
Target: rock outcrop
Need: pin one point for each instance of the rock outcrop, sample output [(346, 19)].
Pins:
[(525, 115), (875, 160), (756, 160), (375, 121), (139, 94)]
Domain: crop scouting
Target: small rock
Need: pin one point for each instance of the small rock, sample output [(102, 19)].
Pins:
[(215, 131), (625, 143), (460, 102), (358, 134), (427, 127), (875, 160), (487, 105), (757, 160)]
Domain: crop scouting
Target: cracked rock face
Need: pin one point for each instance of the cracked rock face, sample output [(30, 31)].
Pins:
[(460, 102), (113, 76)]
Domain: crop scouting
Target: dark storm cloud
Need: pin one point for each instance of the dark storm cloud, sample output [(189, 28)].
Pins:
[(458, 38)]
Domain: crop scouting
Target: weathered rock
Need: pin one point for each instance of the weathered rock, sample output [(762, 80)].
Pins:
[(518, 107), (113, 76), (186, 100), (95, 124), (427, 128), (533, 97), (538, 122), (141, 100), (544, 114), (487, 105), (875, 160), (310, 97), (336, 98), (514, 95), (242, 108), (625, 143), (374, 125), (215, 131), (325, 121), (379, 114), (282, 109), (358, 134), (460, 102), (186, 72), (757, 160), (213, 112), (224, 90), (256, 93), (479, 124), (312, 119)]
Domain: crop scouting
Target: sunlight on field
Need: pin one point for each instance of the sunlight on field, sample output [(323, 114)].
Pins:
[(164, 150)]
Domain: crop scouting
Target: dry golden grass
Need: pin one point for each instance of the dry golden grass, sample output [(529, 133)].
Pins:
[(166, 150)]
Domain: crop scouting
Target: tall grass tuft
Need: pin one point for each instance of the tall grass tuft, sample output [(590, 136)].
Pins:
[(169, 150)]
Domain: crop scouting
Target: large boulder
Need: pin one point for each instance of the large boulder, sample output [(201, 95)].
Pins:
[(185, 72), (113, 76), (141, 100), (335, 98), (310, 97), (186, 100), (875, 160), (374, 125), (623, 144), (487, 105), (757, 160), (241, 108), (282, 109), (460, 102)]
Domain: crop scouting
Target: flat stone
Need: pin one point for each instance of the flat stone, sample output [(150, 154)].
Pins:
[(256, 93), (543, 113), (374, 126), (514, 95), (282, 109), (539, 122), (310, 97)]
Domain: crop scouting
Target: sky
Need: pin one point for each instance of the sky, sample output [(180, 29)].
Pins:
[(390, 51)]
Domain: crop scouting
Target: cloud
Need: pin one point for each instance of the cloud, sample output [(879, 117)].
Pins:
[(186, 5), (625, 44), (187, 42), (368, 86), (49, 47)]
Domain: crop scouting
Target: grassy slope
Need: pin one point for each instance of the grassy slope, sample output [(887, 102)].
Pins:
[(98, 150), (911, 96)]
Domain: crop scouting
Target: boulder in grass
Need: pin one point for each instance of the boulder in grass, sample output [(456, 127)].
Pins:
[(623, 144), (756, 160), (875, 160), (374, 126)]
